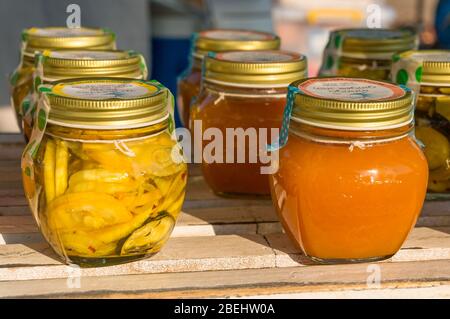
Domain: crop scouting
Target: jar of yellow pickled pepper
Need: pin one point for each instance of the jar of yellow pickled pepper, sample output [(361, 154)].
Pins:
[(54, 65), (365, 53), (103, 173), (216, 40), (242, 97), (428, 73), (40, 39)]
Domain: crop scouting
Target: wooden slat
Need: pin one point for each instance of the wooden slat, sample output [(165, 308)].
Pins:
[(37, 261), (220, 247), (21, 228), (422, 244), (239, 282)]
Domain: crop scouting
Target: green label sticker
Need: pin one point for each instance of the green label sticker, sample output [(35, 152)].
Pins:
[(402, 77), (37, 82), (25, 106), (42, 119), (418, 74), (337, 41), (329, 62)]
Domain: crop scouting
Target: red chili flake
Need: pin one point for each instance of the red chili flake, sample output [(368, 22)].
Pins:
[(92, 249)]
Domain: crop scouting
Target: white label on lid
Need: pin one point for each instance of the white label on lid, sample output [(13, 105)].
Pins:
[(105, 90), (235, 35), (87, 55), (375, 34), (64, 32), (344, 89), (256, 56)]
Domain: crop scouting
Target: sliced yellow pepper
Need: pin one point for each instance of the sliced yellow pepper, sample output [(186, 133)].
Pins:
[(89, 210), (85, 245), (146, 237), (108, 157), (119, 231), (98, 175), (61, 163), (108, 188), (146, 199), (49, 170)]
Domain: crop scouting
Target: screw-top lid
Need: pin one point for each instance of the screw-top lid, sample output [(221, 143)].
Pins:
[(40, 39), (106, 103), (255, 68), (435, 64), (64, 64), (373, 43), (219, 40), (351, 103)]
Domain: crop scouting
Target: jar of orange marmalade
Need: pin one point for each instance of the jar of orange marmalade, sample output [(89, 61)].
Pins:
[(243, 95), (217, 40), (40, 39), (351, 179)]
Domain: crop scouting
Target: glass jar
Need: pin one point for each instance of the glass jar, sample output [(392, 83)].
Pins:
[(103, 174), (365, 53), (40, 39), (352, 179), (242, 96), (216, 41), (428, 73), (55, 65)]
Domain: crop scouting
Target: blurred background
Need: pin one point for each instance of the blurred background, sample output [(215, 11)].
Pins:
[(161, 29)]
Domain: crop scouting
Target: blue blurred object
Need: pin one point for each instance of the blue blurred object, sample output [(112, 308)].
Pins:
[(442, 23), (169, 59)]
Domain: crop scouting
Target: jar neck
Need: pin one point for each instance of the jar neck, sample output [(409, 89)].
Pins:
[(73, 133), (243, 90), (335, 136)]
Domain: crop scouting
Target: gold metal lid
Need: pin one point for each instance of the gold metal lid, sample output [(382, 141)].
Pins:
[(435, 64), (256, 68), (219, 40), (374, 43), (40, 39), (64, 64), (106, 103), (351, 103)]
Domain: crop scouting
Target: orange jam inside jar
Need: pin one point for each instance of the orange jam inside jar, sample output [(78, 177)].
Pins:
[(40, 39), (216, 40), (365, 53), (243, 93), (351, 179)]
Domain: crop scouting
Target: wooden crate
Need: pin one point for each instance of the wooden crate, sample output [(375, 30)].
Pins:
[(220, 247)]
